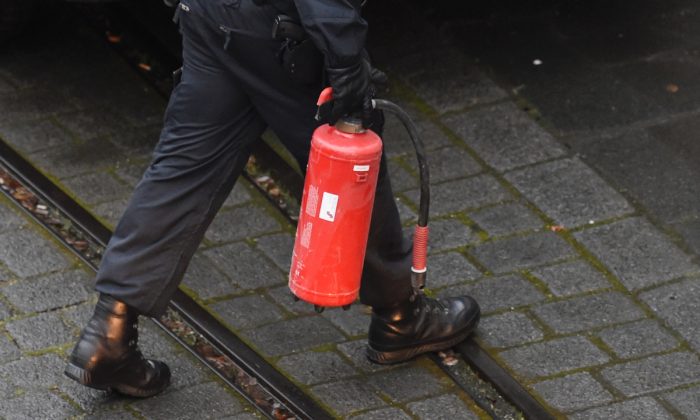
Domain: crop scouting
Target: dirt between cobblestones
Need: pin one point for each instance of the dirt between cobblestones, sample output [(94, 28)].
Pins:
[(588, 300)]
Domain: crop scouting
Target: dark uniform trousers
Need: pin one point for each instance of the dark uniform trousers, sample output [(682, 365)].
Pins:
[(232, 88)]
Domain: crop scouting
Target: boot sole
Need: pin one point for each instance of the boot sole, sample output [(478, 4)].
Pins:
[(85, 377), (403, 355)]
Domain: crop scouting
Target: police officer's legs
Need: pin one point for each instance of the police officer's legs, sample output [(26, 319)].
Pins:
[(404, 323), (209, 127)]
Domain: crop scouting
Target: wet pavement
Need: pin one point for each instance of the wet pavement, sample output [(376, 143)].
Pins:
[(562, 199)]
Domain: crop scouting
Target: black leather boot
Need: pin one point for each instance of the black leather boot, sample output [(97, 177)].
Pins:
[(420, 325), (107, 356)]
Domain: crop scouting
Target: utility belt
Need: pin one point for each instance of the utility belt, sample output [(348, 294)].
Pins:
[(298, 55)]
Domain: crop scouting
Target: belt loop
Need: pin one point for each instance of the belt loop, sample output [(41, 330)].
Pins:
[(176, 16), (227, 31)]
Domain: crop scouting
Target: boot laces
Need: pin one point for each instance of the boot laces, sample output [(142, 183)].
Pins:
[(434, 305)]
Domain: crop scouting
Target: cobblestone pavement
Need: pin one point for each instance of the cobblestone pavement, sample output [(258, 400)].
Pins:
[(588, 301)]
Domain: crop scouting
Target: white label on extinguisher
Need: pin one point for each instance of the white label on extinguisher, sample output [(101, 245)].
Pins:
[(312, 201), (329, 203), (360, 168)]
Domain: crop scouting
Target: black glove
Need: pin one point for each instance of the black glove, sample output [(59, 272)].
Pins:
[(353, 90)]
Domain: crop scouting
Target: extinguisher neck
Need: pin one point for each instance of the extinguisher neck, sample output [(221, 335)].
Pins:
[(350, 126)]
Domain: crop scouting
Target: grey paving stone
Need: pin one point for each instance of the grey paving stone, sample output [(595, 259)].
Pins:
[(344, 397), (638, 339), (449, 269), (396, 139), (284, 297), (205, 401), (203, 278), (638, 409), (34, 136), (356, 351), (690, 231), (505, 255), (247, 311), (504, 136), (451, 83), (153, 341), (79, 315), (50, 292), (96, 123), (40, 331), (637, 253), (5, 274), (97, 188), (32, 105), (569, 192), (686, 401), (314, 367), (506, 219), (8, 349), (186, 371), (588, 312), (278, 248), (639, 164), (406, 214), (5, 86), (138, 143), (131, 173), (444, 407), (645, 77), (250, 415), (409, 383), (32, 373), (292, 336), (4, 311), (238, 195), (241, 222), (26, 253), (37, 405), (78, 159), (448, 234), (111, 414), (573, 392), (676, 304), (111, 211), (353, 322), (655, 373), (401, 179), (383, 414), (508, 329), (451, 163), (571, 278), (463, 194), (9, 219), (494, 293), (554, 356), (94, 401), (245, 266)]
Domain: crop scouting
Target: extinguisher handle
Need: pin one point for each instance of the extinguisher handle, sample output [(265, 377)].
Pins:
[(325, 96)]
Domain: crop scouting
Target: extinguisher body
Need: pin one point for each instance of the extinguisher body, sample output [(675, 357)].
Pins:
[(335, 215)]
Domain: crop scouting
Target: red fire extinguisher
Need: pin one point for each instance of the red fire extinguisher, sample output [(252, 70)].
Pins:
[(336, 210)]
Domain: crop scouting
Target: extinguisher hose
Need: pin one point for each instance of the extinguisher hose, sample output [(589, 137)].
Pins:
[(420, 239)]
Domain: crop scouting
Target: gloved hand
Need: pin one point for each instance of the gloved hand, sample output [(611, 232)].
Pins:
[(353, 90)]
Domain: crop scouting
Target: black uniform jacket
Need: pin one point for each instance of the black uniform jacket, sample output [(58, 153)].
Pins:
[(335, 26)]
